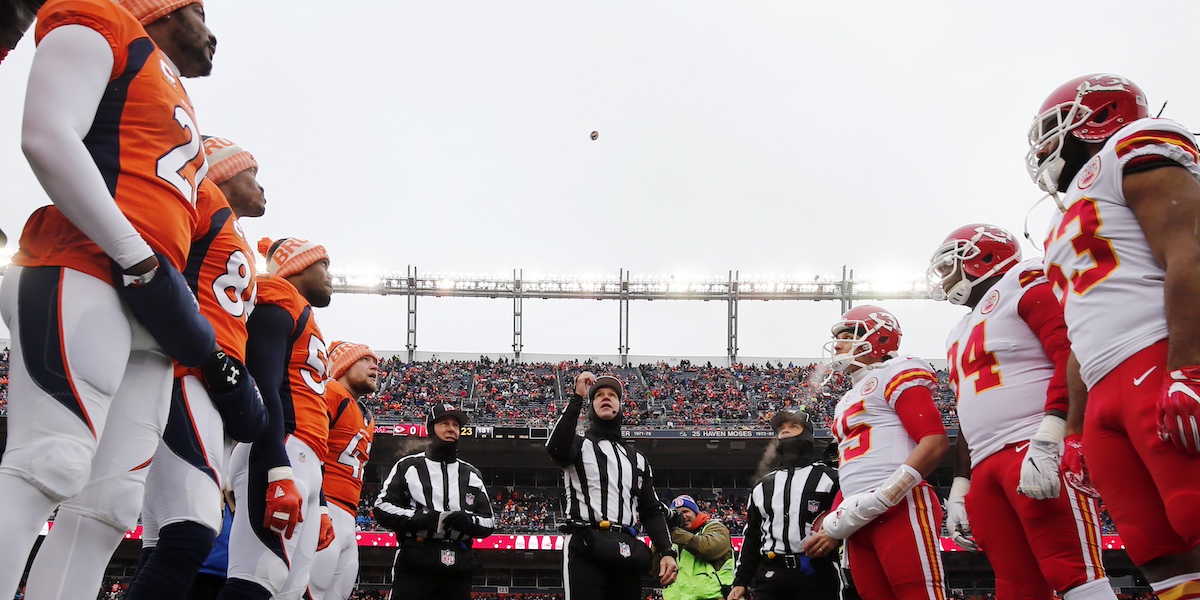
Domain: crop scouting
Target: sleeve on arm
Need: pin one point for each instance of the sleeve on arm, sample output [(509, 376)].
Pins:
[(481, 512), (1163, 144), (751, 554), (918, 413), (393, 506), (1039, 308), (652, 512), (70, 73), (711, 543), (268, 330), (562, 446)]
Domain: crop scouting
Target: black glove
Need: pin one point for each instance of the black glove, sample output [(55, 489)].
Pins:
[(674, 518), (424, 521), (222, 372), (236, 396), (459, 521)]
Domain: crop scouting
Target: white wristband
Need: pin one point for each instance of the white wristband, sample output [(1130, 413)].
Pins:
[(278, 473), (1052, 429), (960, 487)]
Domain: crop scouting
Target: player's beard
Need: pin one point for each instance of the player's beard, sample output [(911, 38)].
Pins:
[(1075, 155)]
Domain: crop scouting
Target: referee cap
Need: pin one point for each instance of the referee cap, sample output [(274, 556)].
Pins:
[(438, 412), (606, 381)]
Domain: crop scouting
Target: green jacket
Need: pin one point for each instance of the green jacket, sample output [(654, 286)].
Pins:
[(698, 552)]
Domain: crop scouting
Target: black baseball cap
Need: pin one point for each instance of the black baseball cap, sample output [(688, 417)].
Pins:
[(437, 412), (789, 416)]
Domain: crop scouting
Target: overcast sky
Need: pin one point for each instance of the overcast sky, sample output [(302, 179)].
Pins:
[(765, 137)]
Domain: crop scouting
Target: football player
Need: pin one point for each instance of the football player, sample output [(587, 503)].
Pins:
[(890, 436), (353, 371), (1008, 366), (182, 513), (281, 514), (1124, 259), (95, 297)]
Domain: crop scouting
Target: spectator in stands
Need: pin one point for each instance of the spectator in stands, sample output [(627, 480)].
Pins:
[(705, 553)]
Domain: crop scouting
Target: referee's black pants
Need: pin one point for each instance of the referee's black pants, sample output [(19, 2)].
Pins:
[(781, 580), (413, 584), (585, 579)]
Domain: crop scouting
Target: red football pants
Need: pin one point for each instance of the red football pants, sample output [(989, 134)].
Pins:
[(1035, 546), (898, 556), (1151, 489)]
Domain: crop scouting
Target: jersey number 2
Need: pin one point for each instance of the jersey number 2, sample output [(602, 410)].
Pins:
[(171, 167)]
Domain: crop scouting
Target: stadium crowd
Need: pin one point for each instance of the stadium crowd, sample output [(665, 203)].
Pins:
[(663, 396)]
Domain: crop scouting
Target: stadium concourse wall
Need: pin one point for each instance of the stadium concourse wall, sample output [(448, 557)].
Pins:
[(634, 359)]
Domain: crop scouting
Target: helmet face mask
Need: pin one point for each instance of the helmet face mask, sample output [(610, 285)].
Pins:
[(1092, 109), (874, 335), (970, 254)]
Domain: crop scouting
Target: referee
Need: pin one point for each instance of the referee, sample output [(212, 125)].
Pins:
[(437, 505), (783, 506), (606, 488)]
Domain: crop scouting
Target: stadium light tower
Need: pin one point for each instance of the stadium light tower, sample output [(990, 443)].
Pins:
[(625, 288)]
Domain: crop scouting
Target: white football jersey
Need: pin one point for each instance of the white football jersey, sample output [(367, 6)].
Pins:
[(998, 367), (1108, 281), (872, 442)]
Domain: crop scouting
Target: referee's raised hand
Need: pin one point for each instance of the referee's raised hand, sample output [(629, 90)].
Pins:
[(584, 382)]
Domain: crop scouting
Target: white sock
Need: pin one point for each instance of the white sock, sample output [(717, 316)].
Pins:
[(25, 509), (1099, 589), (72, 560), (1186, 585)]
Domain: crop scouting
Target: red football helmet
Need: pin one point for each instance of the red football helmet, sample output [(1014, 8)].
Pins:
[(970, 254), (876, 334), (1091, 108)]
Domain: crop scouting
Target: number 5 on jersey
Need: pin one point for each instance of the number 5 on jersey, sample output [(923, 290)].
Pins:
[(975, 361)]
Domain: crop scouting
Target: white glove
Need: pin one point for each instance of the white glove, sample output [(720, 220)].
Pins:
[(956, 515), (859, 509), (1039, 470)]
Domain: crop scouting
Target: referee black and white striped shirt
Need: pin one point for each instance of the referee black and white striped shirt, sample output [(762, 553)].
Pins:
[(420, 486), (782, 507), (604, 480)]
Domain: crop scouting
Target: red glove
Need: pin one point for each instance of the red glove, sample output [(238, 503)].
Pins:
[(326, 536), (1179, 409), (284, 503), (1074, 467)]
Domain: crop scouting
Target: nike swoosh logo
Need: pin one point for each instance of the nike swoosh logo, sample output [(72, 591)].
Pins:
[(1022, 447), (1139, 380)]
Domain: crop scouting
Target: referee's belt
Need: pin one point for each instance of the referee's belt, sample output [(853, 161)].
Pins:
[(604, 525), (791, 561)]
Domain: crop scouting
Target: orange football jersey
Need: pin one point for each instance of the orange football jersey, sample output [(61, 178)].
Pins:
[(351, 433), (304, 386), (144, 140), (220, 270)]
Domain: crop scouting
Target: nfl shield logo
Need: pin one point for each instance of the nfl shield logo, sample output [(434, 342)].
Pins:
[(448, 558), (624, 548), (814, 506), (470, 498)]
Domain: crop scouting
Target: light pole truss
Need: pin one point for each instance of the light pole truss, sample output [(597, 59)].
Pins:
[(624, 288)]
